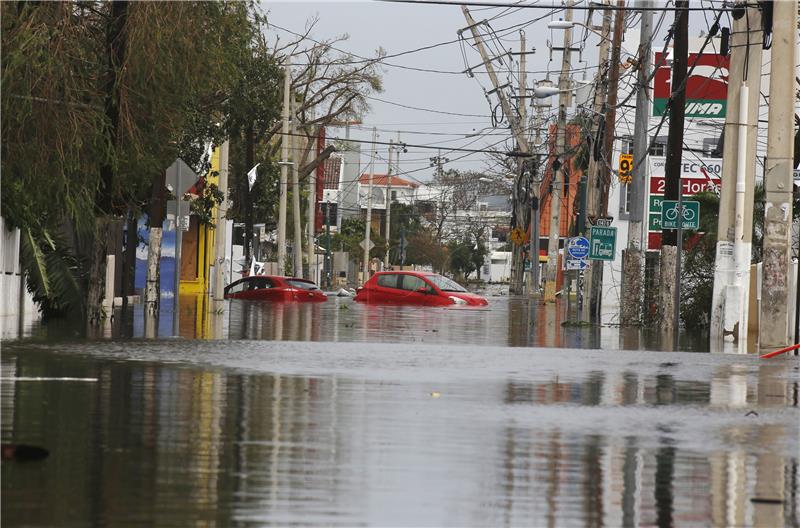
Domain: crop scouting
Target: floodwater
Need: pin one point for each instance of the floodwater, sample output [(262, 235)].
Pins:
[(341, 414)]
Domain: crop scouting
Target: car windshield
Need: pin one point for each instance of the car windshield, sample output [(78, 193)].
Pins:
[(445, 284), (303, 285)]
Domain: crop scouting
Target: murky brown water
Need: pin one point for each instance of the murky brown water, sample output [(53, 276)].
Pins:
[(382, 423)]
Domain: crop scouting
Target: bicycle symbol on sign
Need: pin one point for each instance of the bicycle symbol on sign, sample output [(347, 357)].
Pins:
[(672, 214)]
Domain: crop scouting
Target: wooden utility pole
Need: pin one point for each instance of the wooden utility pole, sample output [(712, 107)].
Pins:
[(595, 165), (297, 245), (287, 86), (774, 331), (388, 205), (312, 212), (594, 279), (517, 128), (633, 256), (368, 227), (220, 231), (564, 101), (729, 305), (670, 249)]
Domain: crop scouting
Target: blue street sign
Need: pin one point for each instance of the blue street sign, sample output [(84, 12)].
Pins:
[(578, 248)]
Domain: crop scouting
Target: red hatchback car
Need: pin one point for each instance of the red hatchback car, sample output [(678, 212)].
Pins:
[(271, 288), (412, 287)]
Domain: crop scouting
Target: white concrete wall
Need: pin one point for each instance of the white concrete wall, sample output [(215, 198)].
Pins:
[(17, 309)]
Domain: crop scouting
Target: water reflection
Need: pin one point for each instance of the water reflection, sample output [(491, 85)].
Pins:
[(616, 443), (507, 321)]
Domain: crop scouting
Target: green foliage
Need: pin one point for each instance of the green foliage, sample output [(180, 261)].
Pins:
[(466, 255), (424, 249), (203, 206), (52, 272), (348, 238)]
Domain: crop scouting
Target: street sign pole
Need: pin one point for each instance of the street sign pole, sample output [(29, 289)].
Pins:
[(678, 253)]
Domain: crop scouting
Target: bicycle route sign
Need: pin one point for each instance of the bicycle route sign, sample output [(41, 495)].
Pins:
[(602, 243), (577, 251), (669, 214)]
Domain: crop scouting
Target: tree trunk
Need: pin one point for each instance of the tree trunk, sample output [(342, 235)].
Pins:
[(116, 43), (95, 293)]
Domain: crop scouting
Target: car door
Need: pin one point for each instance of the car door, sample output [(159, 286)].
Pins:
[(411, 286), (386, 289)]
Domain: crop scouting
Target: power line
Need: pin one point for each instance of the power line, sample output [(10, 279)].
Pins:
[(591, 6)]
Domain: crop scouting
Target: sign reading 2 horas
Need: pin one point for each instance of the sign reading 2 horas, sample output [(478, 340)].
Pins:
[(706, 87)]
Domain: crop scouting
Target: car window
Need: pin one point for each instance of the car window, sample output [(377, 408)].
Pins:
[(260, 283), (236, 287), (445, 284), (413, 283), (388, 280), (303, 285)]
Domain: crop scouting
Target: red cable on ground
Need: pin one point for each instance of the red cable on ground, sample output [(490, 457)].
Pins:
[(779, 352)]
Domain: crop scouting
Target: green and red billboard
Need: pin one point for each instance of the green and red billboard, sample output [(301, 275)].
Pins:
[(706, 87)]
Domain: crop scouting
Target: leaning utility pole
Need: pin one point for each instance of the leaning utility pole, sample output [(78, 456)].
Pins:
[(388, 205), (595, 165), (368, 225), (220, 231), (517, 271), (774, 331), (632, 258), (287, 75), (602, 184), (729, 305), (564, 101), (670, 249)]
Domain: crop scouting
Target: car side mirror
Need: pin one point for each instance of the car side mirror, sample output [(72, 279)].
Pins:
[(423, 289)]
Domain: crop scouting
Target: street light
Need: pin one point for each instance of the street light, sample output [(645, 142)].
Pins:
[(560, 24)]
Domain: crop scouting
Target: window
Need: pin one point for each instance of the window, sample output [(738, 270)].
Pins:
[(445, 284), (627, 145), (413, 283), (659, 147), (388, 281), (258, 283), (301, 284), (710, 147), (394, 196), (237, 287)]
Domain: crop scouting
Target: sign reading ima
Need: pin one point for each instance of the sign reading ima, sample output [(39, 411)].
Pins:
[(706, 87)]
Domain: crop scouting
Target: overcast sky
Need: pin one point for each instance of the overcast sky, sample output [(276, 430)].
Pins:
[(399, 27)]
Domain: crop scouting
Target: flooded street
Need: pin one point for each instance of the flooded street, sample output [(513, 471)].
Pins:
[(343, 414)]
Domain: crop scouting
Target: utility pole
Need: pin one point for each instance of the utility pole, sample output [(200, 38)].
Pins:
[(388, 205), (774, 322), (220, 232), (669, 290), (287, 74), (368, 224), (595, 165), (564, 101), (632, 258), (729, 305), (602, 183), (517, 271), (297, 245), (328, 265), (312, 215)]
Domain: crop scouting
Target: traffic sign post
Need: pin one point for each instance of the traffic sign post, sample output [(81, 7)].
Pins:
[(690, 214), (603, 243)]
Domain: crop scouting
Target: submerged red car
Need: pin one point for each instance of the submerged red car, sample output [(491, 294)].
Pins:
[(412, 287), (272, 288)]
